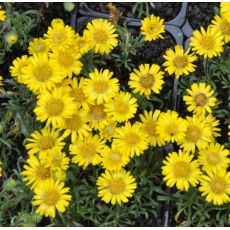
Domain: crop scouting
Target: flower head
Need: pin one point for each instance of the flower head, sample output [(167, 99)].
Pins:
[(2, 15), (225, 9), (37, 45)]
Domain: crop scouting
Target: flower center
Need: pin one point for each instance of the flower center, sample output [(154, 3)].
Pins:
[(59, 36), (74, 123), (171, 128), (100, 86), (42, 173), (115, 157), (193, 134), (218, 185), (153, 28), (147, 81), (225, 28), (117, 186), (57, 159), (181, 170), (39, 47), (42, 72), (78, 95), (88, 151), (54, 107), (207, 43), (180, 62), (100, 36), (65, 60), (200, 99), (121, 107), (213, 158), (131, 138), (51, 197), (97, 113), (45, 142), (150, 128)]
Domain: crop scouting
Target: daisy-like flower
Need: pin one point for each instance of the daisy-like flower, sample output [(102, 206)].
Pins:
[(207, 43), (41, 74), (215, 186), (197, 133), (55, 159), (179, 61), (113, 159), (84, 43), (152, 28), (223, 25), (214, 156), (131, 139), (44, 140), (1, 84), (108, 131), (18, 66), (116, 187), (53, 107), (122, 107), (181, 170), (59, 36), (76, 125), (86, 151), (76, 91), (2, 15), (149, 124), (67, 61), (36, 171), (100, 86), (102, 34), (171, 127), (225, 9), (146, 80), (37, 45), (51, 196), (97, 116), (200, 98)]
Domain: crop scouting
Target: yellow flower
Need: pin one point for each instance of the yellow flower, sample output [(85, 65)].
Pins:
[(53, 107), (97, 116), (59, 36), (122, 107), (223, 25), (108, 131), (102, 34), (67, 61), (212, 122), (86, 151), (36, 171), (100, 86), (216, 186), (84, 43), (146, 80), (44, 140), (18, 66), (0, 169), (116, 187), (40, 74), (130, 139), (1, 84), (55, 159), (2, 15), (113, 159), (207, 43), (76, 91), (49, 196), (180, 169), (214, 156), (197, 133), (225, 9), (37, 45), (171, 127), (152, 27), (76, 125), (179, 62), (149, 124), (200, 99)]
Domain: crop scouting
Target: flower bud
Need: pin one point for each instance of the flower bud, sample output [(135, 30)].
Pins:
[(69, 6), (11, 37)]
